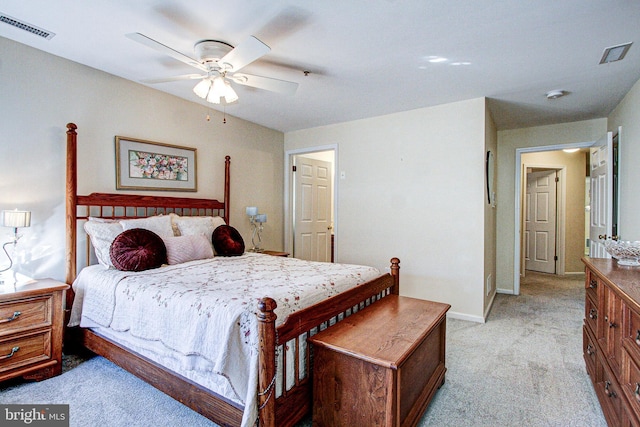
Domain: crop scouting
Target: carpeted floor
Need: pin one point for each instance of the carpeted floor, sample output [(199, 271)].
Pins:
[(523, 367)]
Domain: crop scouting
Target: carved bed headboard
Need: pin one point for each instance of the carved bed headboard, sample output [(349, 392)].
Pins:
[(118, 205)]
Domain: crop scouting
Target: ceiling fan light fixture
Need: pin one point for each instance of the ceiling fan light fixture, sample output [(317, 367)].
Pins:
[(213, 97), (202, 88), (230, 95)]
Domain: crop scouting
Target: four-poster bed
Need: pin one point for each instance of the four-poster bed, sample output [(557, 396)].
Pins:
[(284, 388)]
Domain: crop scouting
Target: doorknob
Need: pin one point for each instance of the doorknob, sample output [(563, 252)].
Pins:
[(604, 237)]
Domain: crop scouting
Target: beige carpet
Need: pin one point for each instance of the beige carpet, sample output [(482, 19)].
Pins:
[(524, 367)]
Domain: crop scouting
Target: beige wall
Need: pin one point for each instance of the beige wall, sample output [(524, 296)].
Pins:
[(414, 188), (508, 142), (491, 144), (627, 115), (575, 171), (41, 93)]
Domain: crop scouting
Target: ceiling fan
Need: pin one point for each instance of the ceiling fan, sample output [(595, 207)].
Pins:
[(220, 62)]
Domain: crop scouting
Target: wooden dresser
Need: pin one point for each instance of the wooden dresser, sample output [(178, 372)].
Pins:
[(31, 327), (380, 366), (612, 338)]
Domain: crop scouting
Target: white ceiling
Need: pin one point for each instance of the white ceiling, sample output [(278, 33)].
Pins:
[(366, 57)]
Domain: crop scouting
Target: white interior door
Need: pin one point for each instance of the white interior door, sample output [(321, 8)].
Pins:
[(601, 180), (312, 209), (540, 221)]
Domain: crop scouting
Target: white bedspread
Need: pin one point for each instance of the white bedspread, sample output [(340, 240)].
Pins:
[(207, 308)]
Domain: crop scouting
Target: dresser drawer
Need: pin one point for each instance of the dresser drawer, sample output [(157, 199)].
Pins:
[(25, 314), (591, 315), (589, 350), (25, 350), (591, 285)]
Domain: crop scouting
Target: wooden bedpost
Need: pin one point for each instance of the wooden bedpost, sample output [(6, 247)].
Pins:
[(395, 273), (266, 362), (227, 198), (71, 198)]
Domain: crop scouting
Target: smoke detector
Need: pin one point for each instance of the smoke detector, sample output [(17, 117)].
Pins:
[(555, 94)]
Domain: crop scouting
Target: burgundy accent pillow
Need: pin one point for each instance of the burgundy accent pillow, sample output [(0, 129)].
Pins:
[(227, 241), (138, 249)]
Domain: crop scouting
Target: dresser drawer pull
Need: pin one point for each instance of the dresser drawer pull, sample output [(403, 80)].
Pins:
[(593, 284), (638, 337), (612, 324), (14, 350), (590, 350), (609, 393), (636, 392), (17, 314), (593, 314)]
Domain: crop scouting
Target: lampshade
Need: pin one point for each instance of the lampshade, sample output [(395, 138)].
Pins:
[(202, 88), (16, 218), (230, 95)]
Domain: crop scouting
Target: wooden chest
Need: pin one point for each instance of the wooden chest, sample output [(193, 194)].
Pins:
[(380, 366)]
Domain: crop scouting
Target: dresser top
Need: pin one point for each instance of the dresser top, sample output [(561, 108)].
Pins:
[(385, 332), (626, 279), (32, 287)]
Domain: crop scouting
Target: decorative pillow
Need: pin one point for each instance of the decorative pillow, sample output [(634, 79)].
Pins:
[(227, 241), (196, 225), (160, 224), (187, 248), (102, 233), (138, 249)]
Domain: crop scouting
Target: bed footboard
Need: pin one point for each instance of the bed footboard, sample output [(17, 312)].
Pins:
[(285, 393)]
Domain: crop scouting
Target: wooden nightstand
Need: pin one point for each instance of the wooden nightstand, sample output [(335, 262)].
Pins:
[(31, 328), (276, 253)]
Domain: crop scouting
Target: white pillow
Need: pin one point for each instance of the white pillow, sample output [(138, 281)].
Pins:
[(102, 233), (187, 248), (197, 225), (160, 224)]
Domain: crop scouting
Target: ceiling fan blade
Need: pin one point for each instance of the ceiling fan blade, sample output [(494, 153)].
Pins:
[(174, 78), (267, 83), (245, 53), (141, 38)]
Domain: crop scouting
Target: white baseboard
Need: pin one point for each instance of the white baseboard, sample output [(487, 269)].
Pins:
[(462, 316), (505, 291)]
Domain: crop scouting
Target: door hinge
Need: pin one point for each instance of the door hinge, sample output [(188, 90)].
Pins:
[(555, 258), (557, 179), (293, 168)]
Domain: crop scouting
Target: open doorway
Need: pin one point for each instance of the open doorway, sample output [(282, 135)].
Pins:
[(562, 243), (310, 218)]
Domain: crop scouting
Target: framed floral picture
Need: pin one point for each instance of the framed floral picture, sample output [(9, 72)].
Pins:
[(147, 165)]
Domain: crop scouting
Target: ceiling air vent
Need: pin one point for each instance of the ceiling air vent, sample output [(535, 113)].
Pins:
[(26, 27)]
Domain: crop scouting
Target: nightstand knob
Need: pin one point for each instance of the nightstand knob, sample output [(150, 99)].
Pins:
[(13, 351), (16, 314)]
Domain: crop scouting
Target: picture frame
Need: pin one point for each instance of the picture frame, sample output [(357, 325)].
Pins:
[(148, 165)]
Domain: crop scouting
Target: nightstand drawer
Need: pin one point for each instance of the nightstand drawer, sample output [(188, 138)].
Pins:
[(25, 350), (25, 314)]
